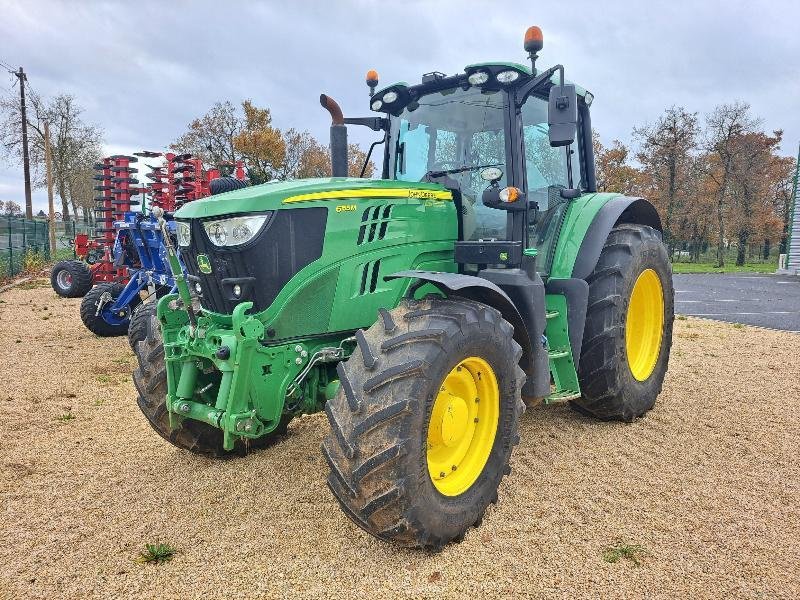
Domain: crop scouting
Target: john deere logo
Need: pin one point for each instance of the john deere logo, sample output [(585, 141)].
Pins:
[(203, 264)]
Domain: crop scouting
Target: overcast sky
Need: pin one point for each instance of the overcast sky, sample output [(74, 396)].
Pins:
[(142, 70)]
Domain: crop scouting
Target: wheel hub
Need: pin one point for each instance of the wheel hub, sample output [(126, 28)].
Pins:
[(64, 279), (644, 324), (463, 425), (454, 421)]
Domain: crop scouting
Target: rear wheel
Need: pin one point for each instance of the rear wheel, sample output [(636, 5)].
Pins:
[(96, 313), (424, 422), (71, 278), (628, 331), (150, 379)]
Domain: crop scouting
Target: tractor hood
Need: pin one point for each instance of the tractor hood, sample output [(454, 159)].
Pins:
[(300, 192)]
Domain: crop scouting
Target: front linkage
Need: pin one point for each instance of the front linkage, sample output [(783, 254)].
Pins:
[(219, 372)]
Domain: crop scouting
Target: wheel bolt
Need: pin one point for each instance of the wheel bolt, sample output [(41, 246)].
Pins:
[(476, 419), (441, 474), (454, 467), (477, 400), (298, 361)]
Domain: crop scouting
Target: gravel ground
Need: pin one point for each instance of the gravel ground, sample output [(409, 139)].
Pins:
[(707, 484)]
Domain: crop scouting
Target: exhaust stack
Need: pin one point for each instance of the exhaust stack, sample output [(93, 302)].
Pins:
[(338, 143)]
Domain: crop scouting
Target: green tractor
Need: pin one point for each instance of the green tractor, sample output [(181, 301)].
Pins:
[(419, 309)]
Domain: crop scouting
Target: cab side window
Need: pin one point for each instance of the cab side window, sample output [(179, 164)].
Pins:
[(546, 173), (545, 166)]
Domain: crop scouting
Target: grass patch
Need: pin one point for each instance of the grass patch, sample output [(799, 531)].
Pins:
[(67, 416), (767, 267), (631, 552), (738, 326), (156, 553), (680, 317), (103, 378)]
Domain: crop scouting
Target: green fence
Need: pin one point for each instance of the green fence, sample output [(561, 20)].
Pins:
[(24, 243), (19, 237)]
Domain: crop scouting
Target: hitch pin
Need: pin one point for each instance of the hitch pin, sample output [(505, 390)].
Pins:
[(203, 389)]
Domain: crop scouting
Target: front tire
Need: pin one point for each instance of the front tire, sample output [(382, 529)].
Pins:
[(140, 322), (628, 331), (71, 278), (425, 419)]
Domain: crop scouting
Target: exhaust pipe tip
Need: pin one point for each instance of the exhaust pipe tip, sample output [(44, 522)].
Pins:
[(329, 104)]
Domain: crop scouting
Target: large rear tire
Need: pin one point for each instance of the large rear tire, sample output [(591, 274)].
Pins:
[(71, 278), (628, 331), (150, 379), (424, 421)]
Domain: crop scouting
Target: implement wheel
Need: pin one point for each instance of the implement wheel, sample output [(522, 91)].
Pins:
[(424, 421), (150, 379), (96, 315), (628, 332), (71, 278)]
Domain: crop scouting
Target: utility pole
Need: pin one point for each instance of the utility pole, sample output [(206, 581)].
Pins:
[(26, 166), (47, 160)]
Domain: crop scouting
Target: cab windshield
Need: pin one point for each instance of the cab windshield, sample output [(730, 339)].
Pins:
[(448, 137)]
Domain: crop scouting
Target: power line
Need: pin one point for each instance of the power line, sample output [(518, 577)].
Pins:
[(6, 66)]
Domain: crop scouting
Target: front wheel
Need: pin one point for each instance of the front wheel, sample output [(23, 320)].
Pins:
[(628, 331), (424, 421)]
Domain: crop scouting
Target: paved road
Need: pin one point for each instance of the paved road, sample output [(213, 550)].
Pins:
[(751, 298)]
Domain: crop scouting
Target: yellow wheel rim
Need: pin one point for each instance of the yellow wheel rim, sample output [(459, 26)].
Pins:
[(463, 426), (644, 324)]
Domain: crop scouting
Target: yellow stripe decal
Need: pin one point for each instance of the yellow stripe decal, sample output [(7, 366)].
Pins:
[(372, 193)]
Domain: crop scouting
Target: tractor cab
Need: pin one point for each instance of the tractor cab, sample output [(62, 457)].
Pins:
[(485, 135), (511, 142)]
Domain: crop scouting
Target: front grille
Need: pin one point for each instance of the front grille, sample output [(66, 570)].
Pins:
[(290, 240)]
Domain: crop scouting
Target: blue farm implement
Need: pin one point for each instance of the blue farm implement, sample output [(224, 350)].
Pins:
[(139, 248)]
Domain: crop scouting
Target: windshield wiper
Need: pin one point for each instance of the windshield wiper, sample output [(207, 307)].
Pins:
[(459, 170)]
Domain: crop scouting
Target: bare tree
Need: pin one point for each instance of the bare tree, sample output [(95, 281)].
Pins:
[(75, 144), (723, 127), (666, 154)]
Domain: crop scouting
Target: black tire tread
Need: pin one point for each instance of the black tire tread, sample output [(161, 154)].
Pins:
[(95, 323)]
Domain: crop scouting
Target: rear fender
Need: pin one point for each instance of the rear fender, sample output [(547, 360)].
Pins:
[(621, 209)]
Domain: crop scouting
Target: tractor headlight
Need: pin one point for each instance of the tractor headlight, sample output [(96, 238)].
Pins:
[(376, 105), (507, 76), (234, 231), (478, 78), (184, 231), (389, 97)]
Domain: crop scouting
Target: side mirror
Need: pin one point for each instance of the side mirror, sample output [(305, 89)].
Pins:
[(562, 114)]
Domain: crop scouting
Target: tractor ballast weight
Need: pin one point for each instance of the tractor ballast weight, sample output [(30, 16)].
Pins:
[(417, 310)]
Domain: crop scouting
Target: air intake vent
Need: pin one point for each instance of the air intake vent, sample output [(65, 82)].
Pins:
[(369, 277), (374, 223)]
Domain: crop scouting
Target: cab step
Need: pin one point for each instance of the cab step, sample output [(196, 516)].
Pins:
[(562, 396)]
